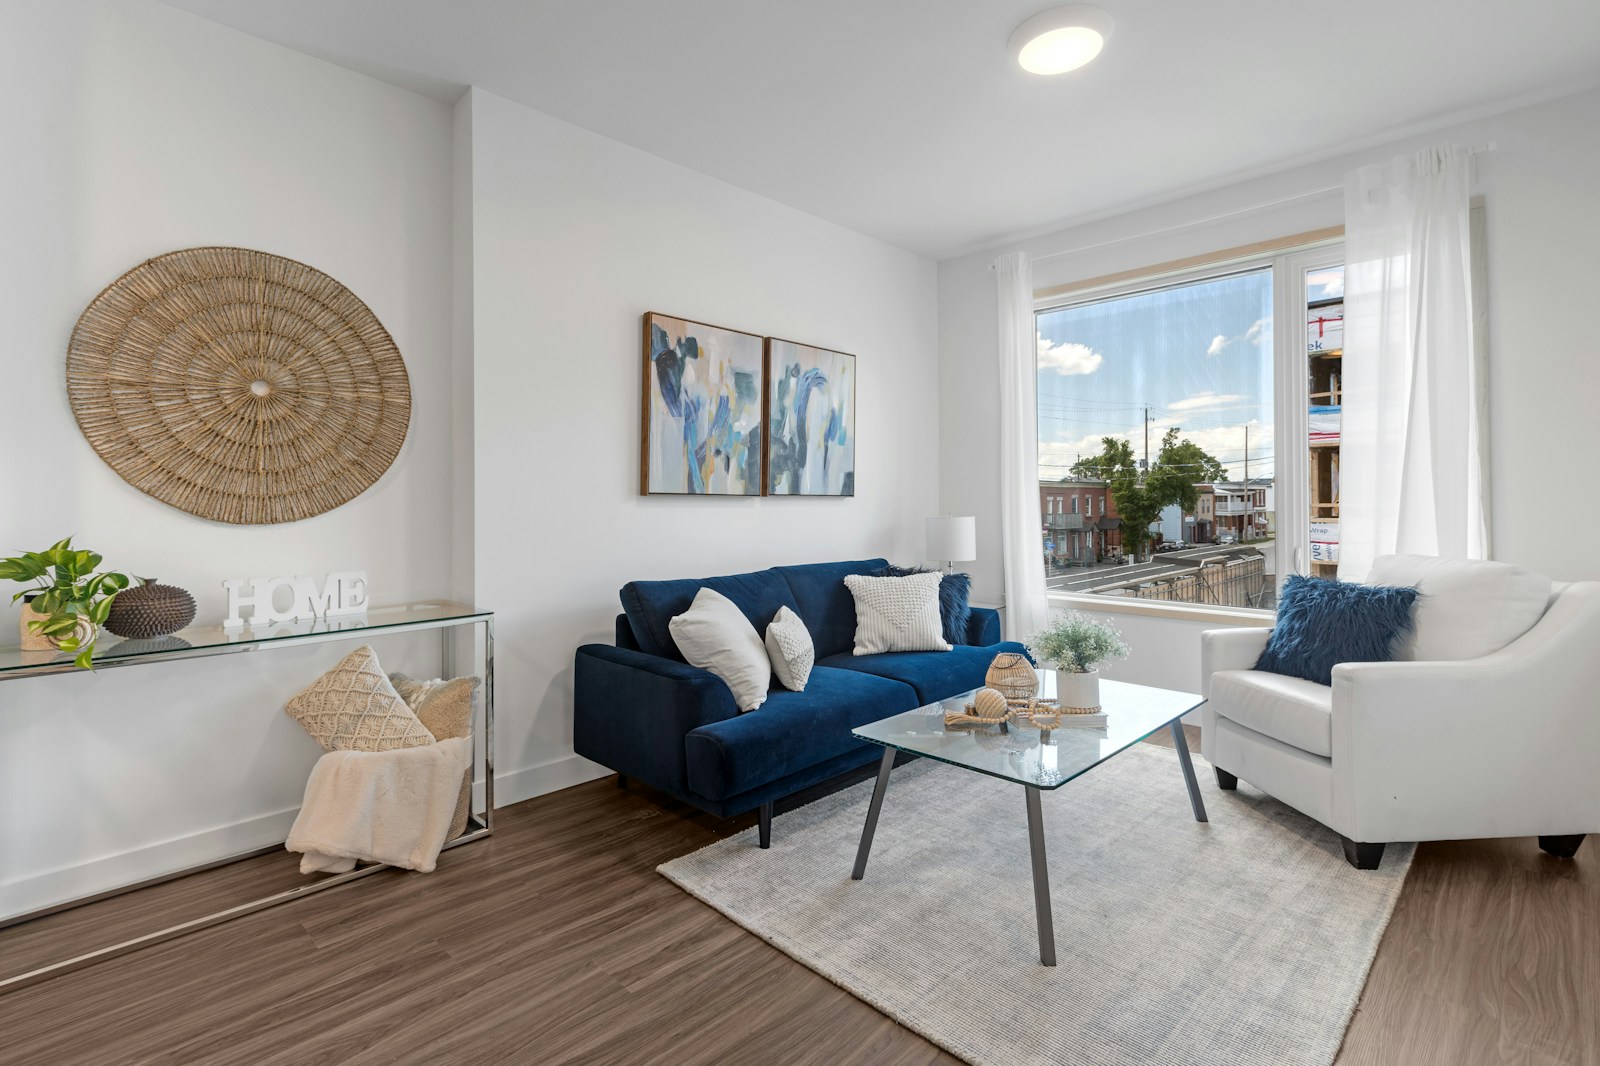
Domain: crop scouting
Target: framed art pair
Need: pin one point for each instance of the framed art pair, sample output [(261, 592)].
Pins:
[(728, 413)]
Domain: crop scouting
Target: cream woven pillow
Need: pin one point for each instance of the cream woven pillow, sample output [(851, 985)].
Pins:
[(353, 707), (897, 613)]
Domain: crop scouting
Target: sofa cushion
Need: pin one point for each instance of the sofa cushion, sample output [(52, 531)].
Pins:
[(1290, 709), (955, 593), (793, 730), (824, 604), (712, 634), (790, 649), (935, 675), (651, 605), (897, 613), (1468, 608)]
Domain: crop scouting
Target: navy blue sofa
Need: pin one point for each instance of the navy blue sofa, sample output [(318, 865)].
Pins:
[(643, 711)]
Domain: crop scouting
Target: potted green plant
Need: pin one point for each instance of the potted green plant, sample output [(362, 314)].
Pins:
[(69, 600), (1075, 644)]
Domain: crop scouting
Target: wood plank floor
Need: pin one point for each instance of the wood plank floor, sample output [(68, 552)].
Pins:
[(555, 941)]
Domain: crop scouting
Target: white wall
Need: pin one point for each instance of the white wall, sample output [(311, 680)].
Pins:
[(574, 238), (130, 130), (1543, 231)]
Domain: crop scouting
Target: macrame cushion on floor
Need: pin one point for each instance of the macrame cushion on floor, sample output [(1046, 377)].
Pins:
[(353, 707)]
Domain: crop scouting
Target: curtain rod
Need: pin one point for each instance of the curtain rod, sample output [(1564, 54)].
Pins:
[(1477, 149)]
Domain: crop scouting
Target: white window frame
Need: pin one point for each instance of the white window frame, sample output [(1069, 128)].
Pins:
[(1291, 415)]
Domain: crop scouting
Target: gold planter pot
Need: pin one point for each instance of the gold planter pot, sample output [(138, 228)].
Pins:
[(31, 641)]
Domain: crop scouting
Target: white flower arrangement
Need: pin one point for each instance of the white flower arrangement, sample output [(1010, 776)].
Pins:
[(1077, 643)]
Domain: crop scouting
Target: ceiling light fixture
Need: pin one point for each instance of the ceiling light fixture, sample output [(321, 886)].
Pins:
[(1061, 39)]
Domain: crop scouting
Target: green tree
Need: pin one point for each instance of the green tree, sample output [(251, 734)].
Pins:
[(1180, 466)]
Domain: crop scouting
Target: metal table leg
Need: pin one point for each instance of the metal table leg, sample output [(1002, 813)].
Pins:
[(1181, 742), (872, 814), (1041, 878)]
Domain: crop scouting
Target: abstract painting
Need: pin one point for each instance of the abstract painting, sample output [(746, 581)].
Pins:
[(811, 419), (702, 409)]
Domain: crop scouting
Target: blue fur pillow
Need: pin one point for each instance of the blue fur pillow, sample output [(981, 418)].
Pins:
[(1323, 623), (954, 590)]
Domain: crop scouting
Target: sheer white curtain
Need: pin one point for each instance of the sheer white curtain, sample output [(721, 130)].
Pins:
[(1021, 549), (1413, 475)]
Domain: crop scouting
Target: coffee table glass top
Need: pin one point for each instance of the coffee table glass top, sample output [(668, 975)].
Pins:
[(1020, 752)]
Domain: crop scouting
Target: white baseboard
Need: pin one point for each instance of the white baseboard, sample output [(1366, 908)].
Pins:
[(130, 867), (141, 864), (514, 786)]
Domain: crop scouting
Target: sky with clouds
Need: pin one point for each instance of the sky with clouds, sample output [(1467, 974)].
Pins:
[(1199, 355)]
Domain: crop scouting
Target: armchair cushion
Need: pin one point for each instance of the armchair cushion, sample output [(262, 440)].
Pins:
[(1468, 608), (1290, 709), (1323, 623)]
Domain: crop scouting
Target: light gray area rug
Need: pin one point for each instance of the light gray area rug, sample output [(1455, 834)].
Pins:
[(1245, 940)]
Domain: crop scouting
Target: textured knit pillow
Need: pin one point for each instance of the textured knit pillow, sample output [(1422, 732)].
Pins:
[(1323, 623), (714, 635), (897, 613), (353, 707), (414, 691), (790, 649), (445, 710), (955, 590)]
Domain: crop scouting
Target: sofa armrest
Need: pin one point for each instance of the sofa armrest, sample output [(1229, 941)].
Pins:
[(631, 711), (983, 627), (1503, 745), (1229, 649)]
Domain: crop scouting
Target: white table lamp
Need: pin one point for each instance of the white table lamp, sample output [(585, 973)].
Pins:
[(953, 539)]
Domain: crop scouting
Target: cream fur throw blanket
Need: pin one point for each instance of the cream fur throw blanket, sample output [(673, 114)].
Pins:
[(380, 806)]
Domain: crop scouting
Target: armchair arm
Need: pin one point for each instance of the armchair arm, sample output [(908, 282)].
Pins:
[(1504, 745), (983, 627), (631, 712), (1229, 649)]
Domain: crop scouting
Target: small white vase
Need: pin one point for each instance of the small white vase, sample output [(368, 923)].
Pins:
[(1077, 691)]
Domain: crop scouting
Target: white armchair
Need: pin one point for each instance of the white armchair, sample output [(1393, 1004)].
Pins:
[(1498, 745)]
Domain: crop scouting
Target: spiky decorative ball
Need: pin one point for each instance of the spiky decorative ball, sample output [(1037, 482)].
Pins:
[(150, 609)]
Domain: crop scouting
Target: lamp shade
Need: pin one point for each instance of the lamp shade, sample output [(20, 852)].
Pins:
[(953, 538)]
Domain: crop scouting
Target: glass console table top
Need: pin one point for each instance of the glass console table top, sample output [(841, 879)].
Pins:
[(1025, 754), (203, 639)]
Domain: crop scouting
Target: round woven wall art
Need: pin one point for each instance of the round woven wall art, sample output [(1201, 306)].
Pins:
[(238, 386)]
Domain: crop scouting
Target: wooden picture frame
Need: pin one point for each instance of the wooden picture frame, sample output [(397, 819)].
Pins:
[(703, 409), (807, 453)]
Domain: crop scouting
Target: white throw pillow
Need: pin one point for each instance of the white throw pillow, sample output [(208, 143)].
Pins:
[(1468, 608), (715, 635), (897, 613), (790, 649)]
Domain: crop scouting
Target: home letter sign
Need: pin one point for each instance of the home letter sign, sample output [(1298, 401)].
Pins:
[(344, 592)]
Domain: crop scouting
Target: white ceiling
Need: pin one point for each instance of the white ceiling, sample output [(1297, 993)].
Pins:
[(908, 120)]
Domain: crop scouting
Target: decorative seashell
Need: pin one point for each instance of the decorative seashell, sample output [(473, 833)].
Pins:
[(989, 704), (1013, 676)]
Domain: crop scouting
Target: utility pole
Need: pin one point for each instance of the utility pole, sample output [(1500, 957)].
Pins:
[(1249, 497), (1147, 439)]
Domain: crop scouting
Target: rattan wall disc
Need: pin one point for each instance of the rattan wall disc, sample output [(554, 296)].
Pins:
[(238, 386)]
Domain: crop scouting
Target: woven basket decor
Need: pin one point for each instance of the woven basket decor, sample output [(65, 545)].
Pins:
[(238, 386)]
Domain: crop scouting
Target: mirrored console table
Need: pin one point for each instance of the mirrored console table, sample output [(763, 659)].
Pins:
[(204, 641)]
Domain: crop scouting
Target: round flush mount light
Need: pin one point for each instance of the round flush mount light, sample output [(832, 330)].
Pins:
[(1061, 39)]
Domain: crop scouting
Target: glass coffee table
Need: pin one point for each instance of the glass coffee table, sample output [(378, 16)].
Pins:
[(1036, 759)]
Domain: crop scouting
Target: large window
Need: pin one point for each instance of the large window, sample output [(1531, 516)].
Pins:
[(1166, 401)]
